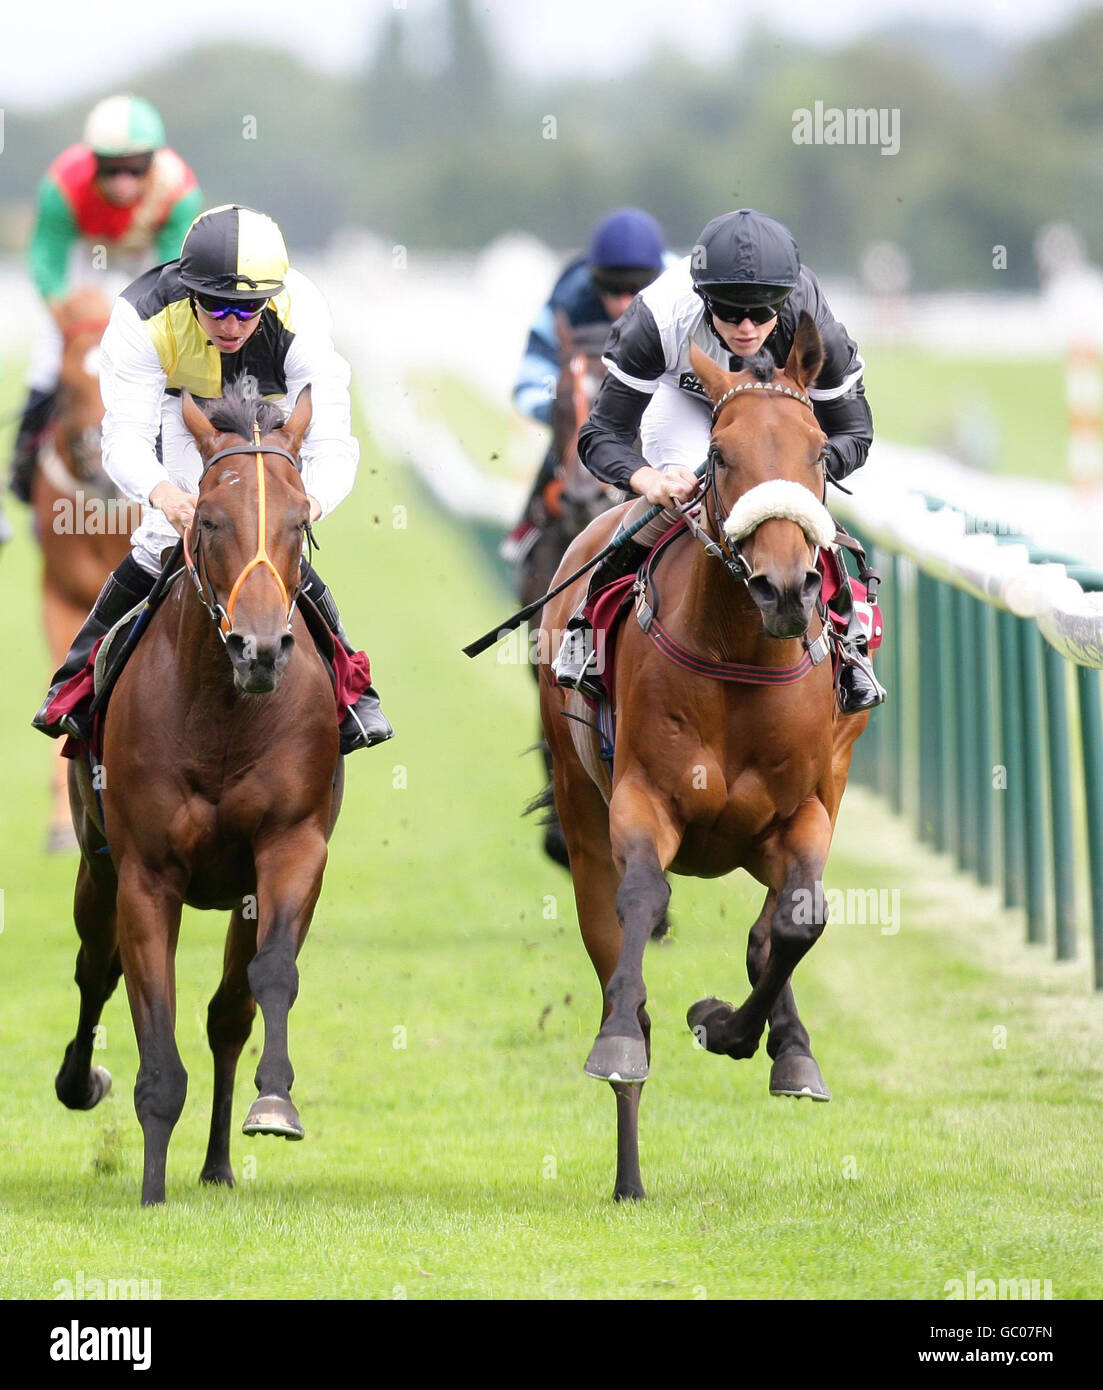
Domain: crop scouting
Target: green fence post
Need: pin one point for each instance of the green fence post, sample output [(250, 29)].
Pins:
[(946, 821), (901, 697), (1011, 759), (965, 697), (1063, 846), (1091, 741), (931, 752), (1034, 781), (986, 741)]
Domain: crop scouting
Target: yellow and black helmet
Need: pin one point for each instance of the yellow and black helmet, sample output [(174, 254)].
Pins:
[(234, 253)]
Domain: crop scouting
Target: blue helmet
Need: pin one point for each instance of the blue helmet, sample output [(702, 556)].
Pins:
[(626, 251)]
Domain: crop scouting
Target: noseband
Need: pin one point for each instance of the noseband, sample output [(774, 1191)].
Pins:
[(224, 617), (730, 552)]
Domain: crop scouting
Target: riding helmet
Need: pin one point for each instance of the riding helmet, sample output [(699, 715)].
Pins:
[(235, 253)]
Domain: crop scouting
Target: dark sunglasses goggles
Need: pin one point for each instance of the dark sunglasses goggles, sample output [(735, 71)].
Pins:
[(242, 309), (137, 166)]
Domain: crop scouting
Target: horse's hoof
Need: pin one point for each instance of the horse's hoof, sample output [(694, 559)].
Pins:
[(273, 1115), (629, 1193), (217, 1177), (99, 1083), (796, 1074), (617, 1059), (705, 1018)]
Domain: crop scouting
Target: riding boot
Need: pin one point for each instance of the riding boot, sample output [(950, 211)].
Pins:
[(859, 688), (575, 666), (124, 589), (36, 416), (365, 724)]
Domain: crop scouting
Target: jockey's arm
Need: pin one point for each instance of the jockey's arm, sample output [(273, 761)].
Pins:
[(171, 236), (534, 389), (839, 397), (55, 232), (607, 441), (132, 384), (330, 452)]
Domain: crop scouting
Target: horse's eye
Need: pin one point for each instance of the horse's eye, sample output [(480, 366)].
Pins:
[(207, 525)]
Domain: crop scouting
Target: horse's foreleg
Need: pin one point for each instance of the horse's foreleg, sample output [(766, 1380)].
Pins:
[(794, 866), (289, 879), (149, 924), (229, 1022), (795, 1071), (643, 841), (78, 1084)]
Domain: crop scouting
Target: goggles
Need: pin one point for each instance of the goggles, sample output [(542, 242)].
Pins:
[(137, 166), (242, 309)]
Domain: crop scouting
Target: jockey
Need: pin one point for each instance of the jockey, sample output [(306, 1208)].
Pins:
[(122, 195), (230, 305), (626, 252), (742, 289)]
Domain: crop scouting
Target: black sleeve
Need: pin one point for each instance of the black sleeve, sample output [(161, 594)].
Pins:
[(606, 442), (848, 423), (846, 419)]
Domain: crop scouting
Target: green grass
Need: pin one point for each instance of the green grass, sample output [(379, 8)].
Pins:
[(478, 1161), (501, 443), (918, 398)]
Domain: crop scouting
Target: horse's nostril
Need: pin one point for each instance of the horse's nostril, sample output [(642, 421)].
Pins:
[(762, 590), (811, 587)]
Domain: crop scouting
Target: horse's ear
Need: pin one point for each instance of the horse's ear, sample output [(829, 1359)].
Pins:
[(806, 355), (298, 422), (714, 379), (202, 431)]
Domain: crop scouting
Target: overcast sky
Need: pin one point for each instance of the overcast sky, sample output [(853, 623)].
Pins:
[(63, 48)]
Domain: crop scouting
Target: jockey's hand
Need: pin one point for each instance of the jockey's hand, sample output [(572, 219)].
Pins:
[(177, 505), (663, 489)]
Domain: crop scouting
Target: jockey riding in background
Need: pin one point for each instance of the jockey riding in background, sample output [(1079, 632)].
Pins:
[(742, 289), (107, 209), (626, 253), (228, 307)]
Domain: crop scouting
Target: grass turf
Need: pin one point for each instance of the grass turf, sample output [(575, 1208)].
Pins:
[(476, 1160)]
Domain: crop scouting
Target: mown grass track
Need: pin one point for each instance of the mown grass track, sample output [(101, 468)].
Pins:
[(428, 1170)]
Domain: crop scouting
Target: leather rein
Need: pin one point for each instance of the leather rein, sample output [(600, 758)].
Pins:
[(730, 554), (223, 617)]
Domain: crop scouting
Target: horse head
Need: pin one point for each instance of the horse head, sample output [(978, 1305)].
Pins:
[(82, 318), (767, 481), (247, 536)]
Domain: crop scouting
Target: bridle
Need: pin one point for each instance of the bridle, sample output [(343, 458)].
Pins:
[(224, 616), (727, 551)]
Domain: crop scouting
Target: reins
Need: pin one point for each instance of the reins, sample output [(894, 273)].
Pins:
[(223, 617), (731, 555)]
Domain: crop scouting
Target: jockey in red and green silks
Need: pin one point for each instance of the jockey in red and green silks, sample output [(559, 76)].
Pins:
[(108, 208)]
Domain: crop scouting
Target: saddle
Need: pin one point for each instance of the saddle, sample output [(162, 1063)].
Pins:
[(349, 673)]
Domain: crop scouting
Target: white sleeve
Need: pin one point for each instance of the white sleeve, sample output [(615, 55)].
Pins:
[(330, 453), (132, 383)]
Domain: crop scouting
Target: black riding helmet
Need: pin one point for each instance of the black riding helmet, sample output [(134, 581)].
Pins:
[(745, 258), (234, 253)]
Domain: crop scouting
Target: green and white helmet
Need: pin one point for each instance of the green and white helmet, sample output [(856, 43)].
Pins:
[(122, 125)]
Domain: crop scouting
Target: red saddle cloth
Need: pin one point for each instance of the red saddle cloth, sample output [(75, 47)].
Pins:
[(351, 677), (605, 609)]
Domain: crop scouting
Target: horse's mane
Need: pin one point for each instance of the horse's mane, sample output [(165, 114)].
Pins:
[(240, 404), (761, 366)]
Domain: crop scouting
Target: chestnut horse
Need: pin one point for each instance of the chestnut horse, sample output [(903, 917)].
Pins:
[(221, 784), (82, 524), (712, 775)]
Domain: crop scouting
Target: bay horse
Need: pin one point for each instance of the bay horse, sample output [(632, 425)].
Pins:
[(712, 775), (221, 785), (569, 502), (82, 523)]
